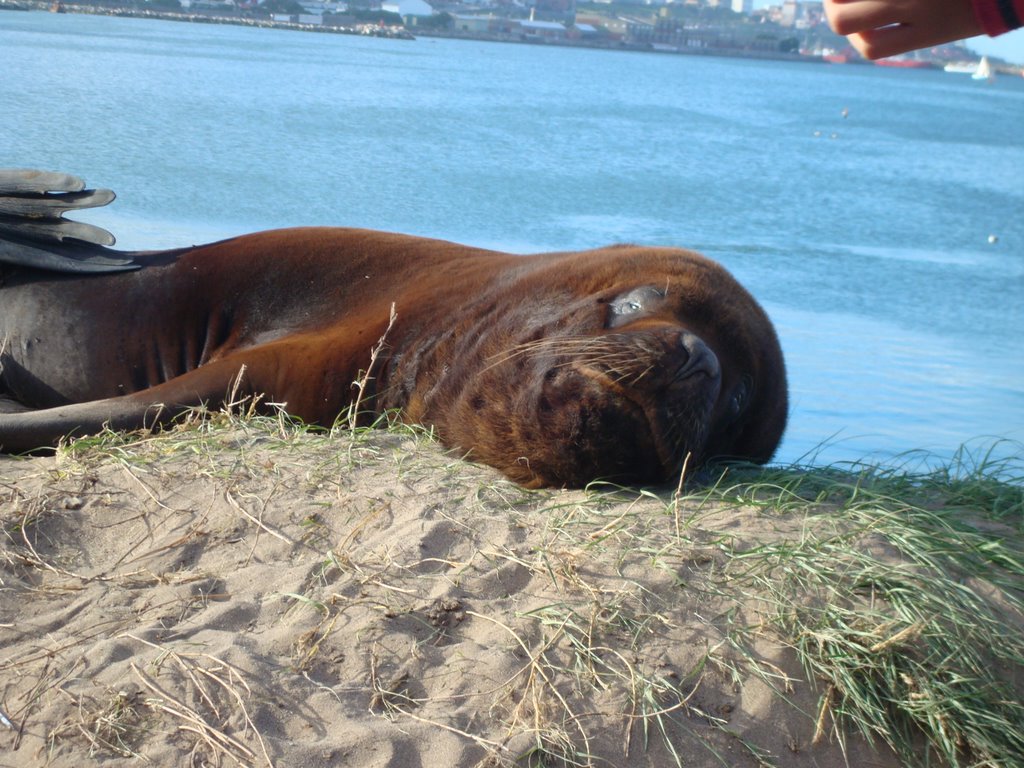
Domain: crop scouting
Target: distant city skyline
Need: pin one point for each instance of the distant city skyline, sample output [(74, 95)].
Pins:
[(1009, 46)]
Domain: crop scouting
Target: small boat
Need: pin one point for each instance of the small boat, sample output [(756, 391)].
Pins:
[(845, 55), (984, 71), (961, 67), (904, 62)]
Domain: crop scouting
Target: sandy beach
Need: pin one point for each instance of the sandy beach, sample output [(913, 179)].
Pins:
[(244, 594)]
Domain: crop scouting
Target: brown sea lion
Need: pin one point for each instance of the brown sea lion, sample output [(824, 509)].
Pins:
[(620, 363)]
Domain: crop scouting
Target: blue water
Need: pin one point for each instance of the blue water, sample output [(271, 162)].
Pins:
[(866, 237)]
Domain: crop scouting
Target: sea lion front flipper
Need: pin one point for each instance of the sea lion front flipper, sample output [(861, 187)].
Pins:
[(62, 258), (230, 379), (30, 430), (33, 232)]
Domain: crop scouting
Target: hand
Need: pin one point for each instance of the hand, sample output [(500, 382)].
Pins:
[(880, 28)]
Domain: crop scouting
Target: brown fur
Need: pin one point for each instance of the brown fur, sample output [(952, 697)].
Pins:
[(536, 365)]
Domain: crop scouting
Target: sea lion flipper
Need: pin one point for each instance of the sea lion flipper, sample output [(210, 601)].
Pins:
[(23, 180), (62, 258), (32, 204), (33, 232), (227, 380), (29, 430), (45, 205), (52, 230)]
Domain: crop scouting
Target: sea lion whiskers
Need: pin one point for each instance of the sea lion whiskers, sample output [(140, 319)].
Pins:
[(555, 345), (636, 377), (618, 363), (565, 345), (620, 369)]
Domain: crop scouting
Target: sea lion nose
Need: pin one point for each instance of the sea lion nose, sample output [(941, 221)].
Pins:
[(700, 358)]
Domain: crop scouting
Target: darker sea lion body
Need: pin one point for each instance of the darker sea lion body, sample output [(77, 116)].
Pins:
[(621, 363)]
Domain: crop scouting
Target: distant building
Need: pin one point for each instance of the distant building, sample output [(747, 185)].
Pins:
[(209, 5), (340, 20), (408, 7), (546, 30), (812, 14), (475, 25), (553, 10), (792, 13), (789, 13), (743, 6), (608, 27), (583, 31), (312, 6)]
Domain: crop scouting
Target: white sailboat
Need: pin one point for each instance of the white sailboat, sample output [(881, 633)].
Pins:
[(984, 71)]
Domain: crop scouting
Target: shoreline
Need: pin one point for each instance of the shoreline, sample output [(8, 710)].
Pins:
[(367, 30), (405, 33), (401, 33), (733, 53)]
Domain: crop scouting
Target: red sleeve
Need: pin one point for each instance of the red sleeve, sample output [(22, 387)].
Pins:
[(998, 16)]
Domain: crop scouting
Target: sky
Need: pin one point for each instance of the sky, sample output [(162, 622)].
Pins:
[(1009, 46)]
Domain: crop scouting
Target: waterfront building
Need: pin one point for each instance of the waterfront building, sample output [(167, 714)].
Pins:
[(543, 30), (406, 8), (789, 13), (553, 10)]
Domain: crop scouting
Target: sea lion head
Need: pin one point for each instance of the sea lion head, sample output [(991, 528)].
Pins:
[(624, 364)]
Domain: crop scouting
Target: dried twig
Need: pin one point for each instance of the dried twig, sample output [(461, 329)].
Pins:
[(194, 722), (256, 520)]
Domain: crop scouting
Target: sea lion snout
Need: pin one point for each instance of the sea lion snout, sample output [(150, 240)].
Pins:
[(700, 359)]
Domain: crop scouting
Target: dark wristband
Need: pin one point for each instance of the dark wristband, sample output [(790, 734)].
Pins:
[(1009, 14)]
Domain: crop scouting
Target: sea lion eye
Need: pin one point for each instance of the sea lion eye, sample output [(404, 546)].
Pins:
[(740, 398), (627, 306)]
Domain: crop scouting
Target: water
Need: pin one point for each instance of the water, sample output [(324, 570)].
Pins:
[(865, 237)]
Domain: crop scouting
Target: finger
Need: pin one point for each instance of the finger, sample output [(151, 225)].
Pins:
[(854, 17), (890, 41), (880, 43)]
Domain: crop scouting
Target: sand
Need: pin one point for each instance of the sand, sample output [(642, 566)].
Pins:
[(223, 596)]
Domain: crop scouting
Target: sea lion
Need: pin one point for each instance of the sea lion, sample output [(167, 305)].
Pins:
[(624, 363)]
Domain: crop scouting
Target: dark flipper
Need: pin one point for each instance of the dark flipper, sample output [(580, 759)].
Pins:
[(43, 213), (20, 181), (52, 230), (33, 232), (66, 257)]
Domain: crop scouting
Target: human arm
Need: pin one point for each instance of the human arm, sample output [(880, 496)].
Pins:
[(880, 28)]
